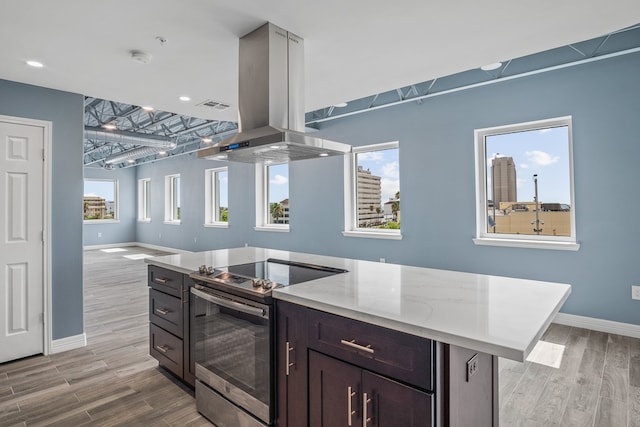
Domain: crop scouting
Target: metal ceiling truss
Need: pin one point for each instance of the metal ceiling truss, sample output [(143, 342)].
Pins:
[(140, 136), (617, 43), (137, 131)]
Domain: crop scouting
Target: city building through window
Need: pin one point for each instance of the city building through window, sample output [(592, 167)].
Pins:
[(216, 196), (100, 201), (372, 193), (524, 175)]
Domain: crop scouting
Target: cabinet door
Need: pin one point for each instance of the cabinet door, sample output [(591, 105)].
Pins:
[(387, 403), (291, 354), (334, 392)]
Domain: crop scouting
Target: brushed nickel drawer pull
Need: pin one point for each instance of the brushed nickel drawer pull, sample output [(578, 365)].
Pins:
[(365, 402), (162, 311), (160, 280), (162, 348), (353, 344), (288, 362), (350, 412)]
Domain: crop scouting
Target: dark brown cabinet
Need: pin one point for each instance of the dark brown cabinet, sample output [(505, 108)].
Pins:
[(335, 371), (169, 317), (346, 395)]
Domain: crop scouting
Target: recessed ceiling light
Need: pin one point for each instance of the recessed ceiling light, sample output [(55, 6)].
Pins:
[(34, 64), (148, 108), (490, 67), (340, 104), (207, 139), (109, 126), (140, 56), (184, 98), (323, 154)]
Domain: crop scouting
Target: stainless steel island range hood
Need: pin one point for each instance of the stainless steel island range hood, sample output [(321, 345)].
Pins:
[(271, 104)]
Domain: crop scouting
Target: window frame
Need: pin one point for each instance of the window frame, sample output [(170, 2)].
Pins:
[(212, 198), (351, 228), (262, 200), (171, 199), (116, 202), (520, 240), (144, 200)]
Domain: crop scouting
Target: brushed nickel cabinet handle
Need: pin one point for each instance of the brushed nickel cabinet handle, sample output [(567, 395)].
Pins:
[(288, 361), (352, 343), (162, 311), (365, 402), (350, 411), (162, 348), (160, 280)]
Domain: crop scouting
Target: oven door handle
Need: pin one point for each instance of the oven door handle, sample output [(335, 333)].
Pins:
[(255, 311)]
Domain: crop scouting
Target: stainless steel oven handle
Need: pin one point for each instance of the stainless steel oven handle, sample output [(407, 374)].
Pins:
[(228, 303)]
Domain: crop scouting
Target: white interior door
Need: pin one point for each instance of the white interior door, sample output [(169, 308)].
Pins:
[(21, 240)]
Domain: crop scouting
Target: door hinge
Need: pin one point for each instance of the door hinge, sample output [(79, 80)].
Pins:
[(43, 154), (42, 236)]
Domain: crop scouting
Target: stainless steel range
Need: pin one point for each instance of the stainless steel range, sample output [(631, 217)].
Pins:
[(232, 336)]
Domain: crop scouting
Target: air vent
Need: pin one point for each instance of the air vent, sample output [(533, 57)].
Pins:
[(216, 105)]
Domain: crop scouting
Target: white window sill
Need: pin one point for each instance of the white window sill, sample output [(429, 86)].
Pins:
[(372, 234), (531, 244), (101, 221), (276, 228), (144, 220), (217, 225), (172, 222)]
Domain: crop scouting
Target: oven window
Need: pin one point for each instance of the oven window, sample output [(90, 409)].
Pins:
[(233, 346)]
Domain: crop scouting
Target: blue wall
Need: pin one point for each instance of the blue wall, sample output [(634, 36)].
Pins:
[(125, 229), (65, 111), (438, 188)]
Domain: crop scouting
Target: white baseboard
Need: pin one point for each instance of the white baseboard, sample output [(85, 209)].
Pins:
[(602, 325), (142, 245), (68, 343)]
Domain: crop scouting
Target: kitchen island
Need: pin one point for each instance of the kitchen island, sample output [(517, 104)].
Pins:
[(465, 321)]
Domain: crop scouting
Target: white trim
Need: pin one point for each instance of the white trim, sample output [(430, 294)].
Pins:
[(212, 196), (144, 199), (68, 343), (279, 228), (372, 234), (171, 200), (531, 244), (178, 222), (601, 325), (47, 186), (217, 225), (142, 245), (529, 241), (100, 221)]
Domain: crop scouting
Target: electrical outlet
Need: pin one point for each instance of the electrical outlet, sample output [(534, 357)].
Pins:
[(99, 235), (195, 240), (383, 260), (635, 292), (159, 235), (472, 366)]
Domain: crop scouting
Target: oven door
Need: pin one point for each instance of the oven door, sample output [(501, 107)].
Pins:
[(233, 350)]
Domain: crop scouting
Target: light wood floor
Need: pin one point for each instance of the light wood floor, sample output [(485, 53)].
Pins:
[(113, 381)]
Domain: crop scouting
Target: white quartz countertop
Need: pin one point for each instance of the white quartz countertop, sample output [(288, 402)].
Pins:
[(502, 316)]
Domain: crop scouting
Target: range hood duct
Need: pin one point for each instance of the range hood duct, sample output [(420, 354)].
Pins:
[(271, 104)]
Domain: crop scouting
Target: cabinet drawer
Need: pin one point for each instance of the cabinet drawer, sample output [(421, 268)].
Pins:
[(166, 312), (166, 348), (167, 281), (395, 354)]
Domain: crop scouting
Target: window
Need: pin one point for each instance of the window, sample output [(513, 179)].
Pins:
[(372, 192), (524, 180), (216, 197), (100, 202), (172, 199), (272, 197), (144, 200)]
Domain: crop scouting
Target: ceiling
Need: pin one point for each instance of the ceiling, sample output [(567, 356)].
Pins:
[(353, 49)]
